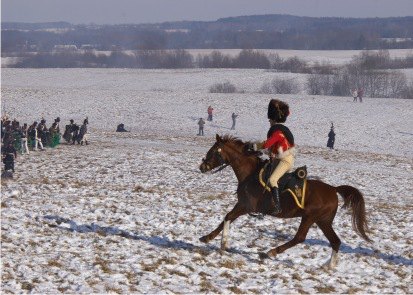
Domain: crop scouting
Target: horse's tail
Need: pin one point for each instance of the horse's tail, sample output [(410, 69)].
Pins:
[(353, 197)]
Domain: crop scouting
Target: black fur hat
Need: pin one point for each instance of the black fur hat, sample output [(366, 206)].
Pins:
[(278, 110)]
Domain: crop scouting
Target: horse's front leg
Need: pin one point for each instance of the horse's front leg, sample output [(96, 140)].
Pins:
[(236, 212)]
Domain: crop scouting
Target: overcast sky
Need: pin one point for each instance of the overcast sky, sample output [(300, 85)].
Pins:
[(151, 11)]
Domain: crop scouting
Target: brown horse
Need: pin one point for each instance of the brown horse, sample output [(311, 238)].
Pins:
[(321, 198)]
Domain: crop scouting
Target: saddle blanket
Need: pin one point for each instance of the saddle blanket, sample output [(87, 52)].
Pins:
[(295, 182)]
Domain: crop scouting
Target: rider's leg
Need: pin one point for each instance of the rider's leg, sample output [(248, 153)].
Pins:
[(283, 166)]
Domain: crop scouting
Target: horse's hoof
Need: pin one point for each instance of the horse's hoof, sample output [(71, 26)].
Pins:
[(204, 239), (263, 255)]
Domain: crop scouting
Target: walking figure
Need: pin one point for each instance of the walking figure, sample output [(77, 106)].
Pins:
[(210, 109), (82, 137), (360, 93), (331, 137), (34, 136), (24, 139), (9, 154), (355, 94), (234, 117), (201, 124)]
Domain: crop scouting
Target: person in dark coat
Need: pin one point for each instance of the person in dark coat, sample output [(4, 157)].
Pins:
[(82, 137), (121, 128), (234, 117), (331, 137), (201, 124), (9, 154), (74, 129)]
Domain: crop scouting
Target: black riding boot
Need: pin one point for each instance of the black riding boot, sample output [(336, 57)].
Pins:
[(276, 197)]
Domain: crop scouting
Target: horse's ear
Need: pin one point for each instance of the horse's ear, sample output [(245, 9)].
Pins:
[(218, 138)]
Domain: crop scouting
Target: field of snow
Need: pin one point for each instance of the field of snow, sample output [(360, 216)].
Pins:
[(124, 214)]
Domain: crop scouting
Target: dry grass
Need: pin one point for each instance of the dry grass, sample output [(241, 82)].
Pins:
[(55, 263), (151, 267), (353, 290), (206, 286), (139, 189), (178, 273), (236, 290), (325, 289), (232, 264), (62, 289), (27, 286), (103, 265)]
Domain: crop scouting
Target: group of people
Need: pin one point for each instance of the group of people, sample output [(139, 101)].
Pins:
[(357, 94), (201, 121), (75, 133), (16, 138)]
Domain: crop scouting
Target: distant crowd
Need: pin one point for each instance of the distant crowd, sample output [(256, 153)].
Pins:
[(201, 121), (21, 139)]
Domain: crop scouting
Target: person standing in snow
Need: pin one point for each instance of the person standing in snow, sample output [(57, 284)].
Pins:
[(210, 109), (82, 137), (9, 154), (201, 124), (37, 141), (24, 139), (355, 94), (331, 137), (234, 117), (360, 93)]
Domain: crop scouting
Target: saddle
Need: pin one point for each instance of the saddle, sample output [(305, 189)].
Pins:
[(294, 182)]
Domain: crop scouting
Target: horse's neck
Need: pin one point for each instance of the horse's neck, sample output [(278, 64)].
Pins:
[(243, 165)]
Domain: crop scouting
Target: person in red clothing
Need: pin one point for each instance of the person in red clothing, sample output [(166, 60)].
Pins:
[(210, 109), (280, 143)]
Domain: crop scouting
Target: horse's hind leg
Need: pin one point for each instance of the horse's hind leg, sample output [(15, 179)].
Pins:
[(236, 212), (327, 228), (299, 237)]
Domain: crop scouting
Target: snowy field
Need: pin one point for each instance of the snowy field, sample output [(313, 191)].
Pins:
[(124, 214)]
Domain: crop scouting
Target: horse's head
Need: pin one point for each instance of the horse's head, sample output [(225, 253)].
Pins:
[(225, 150), (215, 157)]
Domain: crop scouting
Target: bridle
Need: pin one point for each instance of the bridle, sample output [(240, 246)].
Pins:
[(222, 163)]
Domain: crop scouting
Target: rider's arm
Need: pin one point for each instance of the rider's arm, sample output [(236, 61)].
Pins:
[(275, 138)]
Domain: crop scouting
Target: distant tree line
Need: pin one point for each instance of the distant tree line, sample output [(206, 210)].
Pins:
[(260, 32)]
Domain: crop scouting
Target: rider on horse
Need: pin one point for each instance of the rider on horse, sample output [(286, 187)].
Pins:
[(280, 143)]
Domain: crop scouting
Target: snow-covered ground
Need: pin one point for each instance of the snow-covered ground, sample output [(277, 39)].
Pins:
[(124, 214)]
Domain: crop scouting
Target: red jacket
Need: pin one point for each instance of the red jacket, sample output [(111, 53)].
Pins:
[(278, 144)]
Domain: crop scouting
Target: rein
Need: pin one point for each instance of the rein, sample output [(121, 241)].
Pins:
[(222, 167)]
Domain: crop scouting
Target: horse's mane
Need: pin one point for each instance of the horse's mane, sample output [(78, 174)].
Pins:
[(242, 144)]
